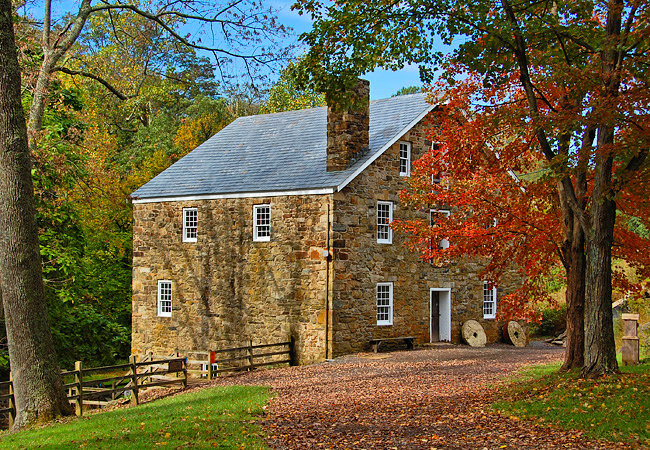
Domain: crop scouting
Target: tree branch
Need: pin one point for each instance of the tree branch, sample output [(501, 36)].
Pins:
[(97, 78)]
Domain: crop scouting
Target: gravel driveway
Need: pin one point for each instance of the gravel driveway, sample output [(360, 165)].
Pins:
[(430, 398)]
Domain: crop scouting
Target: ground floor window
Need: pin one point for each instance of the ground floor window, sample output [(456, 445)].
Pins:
[(489, 301), (164, 298), (384, 303)]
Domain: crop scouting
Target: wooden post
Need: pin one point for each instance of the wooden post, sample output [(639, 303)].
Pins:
[(210, 360), (78, 379), (250, 355), (12, 404), (185, 373), (630, 350), (134, 380)]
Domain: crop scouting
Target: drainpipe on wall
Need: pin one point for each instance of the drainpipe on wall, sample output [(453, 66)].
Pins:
[(327, 283)]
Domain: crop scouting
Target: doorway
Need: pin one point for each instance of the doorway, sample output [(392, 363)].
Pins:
[(440, 315)]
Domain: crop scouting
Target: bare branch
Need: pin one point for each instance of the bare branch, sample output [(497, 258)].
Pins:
[(97, 78)]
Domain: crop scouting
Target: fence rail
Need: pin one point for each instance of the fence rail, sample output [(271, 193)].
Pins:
[(86, 386), (239, 359)]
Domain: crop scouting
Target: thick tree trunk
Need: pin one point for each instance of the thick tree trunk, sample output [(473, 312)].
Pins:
[(600, 350), (575, 301), (37, 382)]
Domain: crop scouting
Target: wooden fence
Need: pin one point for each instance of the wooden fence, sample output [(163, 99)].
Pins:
[(99, 386), (237, 359)]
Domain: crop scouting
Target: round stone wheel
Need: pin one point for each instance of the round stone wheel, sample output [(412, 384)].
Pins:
[(474, 334), (515, 334)]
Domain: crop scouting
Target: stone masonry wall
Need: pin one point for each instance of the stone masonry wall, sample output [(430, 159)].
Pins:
[(227, 289), (360, 263), (347, 129)]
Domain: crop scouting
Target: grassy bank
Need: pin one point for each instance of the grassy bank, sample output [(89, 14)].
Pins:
[(210, 418), (615, 408)]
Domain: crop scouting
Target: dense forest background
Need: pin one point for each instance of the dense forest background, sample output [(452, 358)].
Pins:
[(100, 141)]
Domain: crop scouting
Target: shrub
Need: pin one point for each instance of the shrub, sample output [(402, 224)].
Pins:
[(553, 321)]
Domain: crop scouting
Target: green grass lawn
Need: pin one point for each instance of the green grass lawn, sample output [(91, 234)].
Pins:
[(221, 418), (615, 408)]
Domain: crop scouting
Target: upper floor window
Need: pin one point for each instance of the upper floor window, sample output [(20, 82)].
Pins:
[(384, 218), (190, 224), (384, 303), (435, 216), (489, 301), (262, 222), (437, 176), (164, 298), (405, 159)]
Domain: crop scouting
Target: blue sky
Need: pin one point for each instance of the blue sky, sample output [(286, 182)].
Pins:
[(383, 83)]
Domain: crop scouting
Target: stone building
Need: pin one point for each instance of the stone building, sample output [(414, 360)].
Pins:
[(278, 227)]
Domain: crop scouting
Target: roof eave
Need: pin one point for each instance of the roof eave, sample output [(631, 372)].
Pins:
[(190, 198)]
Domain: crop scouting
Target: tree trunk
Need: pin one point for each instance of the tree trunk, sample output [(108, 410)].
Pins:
[(38, 389), (575, 301), (39, 97), (600, 349)]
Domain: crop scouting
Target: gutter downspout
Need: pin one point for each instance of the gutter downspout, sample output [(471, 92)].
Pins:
[(327, 281)]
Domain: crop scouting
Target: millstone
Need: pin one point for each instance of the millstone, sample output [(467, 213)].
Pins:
[(515, 334), (474, 334)]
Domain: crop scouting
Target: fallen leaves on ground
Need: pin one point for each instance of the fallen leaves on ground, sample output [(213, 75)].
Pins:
[(432, 398)]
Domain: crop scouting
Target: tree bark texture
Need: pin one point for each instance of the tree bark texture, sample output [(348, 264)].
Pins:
[(38, 390), (575, 300), (600, 349)]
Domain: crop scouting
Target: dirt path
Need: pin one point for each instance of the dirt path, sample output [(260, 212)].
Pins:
[(430, 398)]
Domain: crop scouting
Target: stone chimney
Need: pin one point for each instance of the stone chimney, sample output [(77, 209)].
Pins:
[(347, 128)]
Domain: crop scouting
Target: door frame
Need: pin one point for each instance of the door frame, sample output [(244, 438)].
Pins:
[(444, 305)]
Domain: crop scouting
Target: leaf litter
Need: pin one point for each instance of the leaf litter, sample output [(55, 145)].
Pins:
[(435, 397)]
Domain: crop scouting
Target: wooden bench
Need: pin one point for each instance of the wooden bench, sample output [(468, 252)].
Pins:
[(408, 340)]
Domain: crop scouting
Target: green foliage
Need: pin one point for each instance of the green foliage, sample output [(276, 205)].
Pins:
[(86, 269), (407, 90), (553, 321), (220, 417), (616, 408), (636, 225), (83, 333), (285, 95)]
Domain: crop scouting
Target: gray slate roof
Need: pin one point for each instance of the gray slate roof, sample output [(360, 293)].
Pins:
[(277, 152)]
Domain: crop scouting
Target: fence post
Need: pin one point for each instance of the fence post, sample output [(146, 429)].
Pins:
[(12, 403), (134, 379), (210, 361), (185, 374), (250, 355), (78, 379)]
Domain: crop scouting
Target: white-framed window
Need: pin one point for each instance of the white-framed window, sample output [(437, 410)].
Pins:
[(384, 303), (437, 176), (262, 222), (434, 216), (384, 218), (164, 298), (489, 301), (405, 159), (490, 224), (190, 224)]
